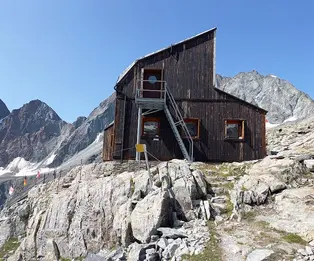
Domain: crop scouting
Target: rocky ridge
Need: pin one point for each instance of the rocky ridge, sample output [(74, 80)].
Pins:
[(38, 135), (278, 96)]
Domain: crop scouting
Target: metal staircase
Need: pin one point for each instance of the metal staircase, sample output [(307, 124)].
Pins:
[(167, 103)]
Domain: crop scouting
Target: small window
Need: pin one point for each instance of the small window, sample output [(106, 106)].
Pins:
[(193, 126), (150, 126), (234, 129)]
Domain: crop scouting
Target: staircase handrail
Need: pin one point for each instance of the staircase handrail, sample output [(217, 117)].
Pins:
[(180, 118)]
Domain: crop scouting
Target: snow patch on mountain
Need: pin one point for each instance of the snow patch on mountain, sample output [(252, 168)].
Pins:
[(50, 159), (292, 118), (18, 164), (21, 167)]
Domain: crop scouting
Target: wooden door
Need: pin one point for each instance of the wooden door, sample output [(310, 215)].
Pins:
[(152, 82)]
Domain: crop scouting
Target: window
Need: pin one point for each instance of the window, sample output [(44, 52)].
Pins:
[(234, 129), (193, 126), (150, 126), (152, 79)]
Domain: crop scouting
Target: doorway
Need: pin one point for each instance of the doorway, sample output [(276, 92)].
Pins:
[(152, 83)]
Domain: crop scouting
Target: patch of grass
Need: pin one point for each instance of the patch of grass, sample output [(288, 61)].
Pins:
[(266, 238), (249, 215), (288, 237), (212, 251), (65, 259), (229, 207), (9, 247), (262, 224), (294, 238), (228, 185), (81, 258), (243, 188)]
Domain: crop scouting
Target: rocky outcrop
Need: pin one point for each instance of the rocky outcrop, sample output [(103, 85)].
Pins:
[(294, 212), (306, 253), (3, 110), (269, 176), (97, 207), (279, 97), (294, 139)]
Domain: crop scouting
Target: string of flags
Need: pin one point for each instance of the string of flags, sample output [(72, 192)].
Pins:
[(25, 181), (11, 189)]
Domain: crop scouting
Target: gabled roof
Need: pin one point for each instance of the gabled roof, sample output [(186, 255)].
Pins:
[(125, 72), (241, 100)]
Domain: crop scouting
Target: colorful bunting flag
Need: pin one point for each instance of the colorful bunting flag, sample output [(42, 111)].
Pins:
[(11, 190)]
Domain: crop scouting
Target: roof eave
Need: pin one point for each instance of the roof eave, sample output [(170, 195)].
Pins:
[(237, 98)]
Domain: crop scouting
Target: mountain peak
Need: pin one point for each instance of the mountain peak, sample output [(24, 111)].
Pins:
[(37, 108), (35, 127), (4, 111)]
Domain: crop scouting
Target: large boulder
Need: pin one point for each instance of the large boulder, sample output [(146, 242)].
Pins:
[(185, 186), (309, 164), (260, 255), (151, 213)]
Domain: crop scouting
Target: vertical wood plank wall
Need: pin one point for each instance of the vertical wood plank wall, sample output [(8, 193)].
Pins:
[(188, 71), (108, 143)]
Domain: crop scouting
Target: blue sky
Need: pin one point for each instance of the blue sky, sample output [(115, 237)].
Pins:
[(70, 53)]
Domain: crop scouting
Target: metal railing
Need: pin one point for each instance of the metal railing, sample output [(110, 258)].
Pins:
[(179, 118), (168, 99), (140, 91)]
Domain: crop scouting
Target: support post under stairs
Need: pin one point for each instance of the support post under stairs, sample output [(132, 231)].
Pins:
[(139, 130)]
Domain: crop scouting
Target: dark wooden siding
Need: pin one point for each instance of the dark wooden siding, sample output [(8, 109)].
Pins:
[(188, 71), (211, 146), (108, 143)]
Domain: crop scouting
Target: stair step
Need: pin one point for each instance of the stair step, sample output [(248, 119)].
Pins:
[(177, 134)]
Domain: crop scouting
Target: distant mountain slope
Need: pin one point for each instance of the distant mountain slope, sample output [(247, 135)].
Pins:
[(86, 131), (30, 132), (279, 97), (3, 110)]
